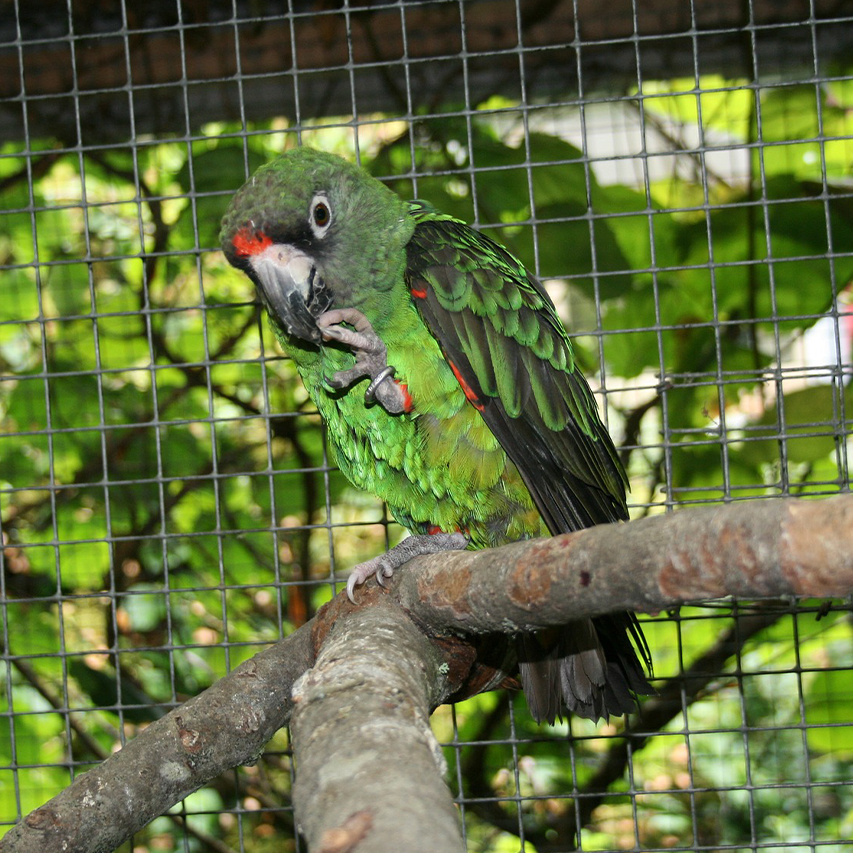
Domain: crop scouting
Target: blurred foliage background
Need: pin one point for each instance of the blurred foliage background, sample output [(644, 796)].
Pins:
[(167, 506)]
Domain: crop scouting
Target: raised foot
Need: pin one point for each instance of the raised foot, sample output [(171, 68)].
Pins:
[(371, 358), (415, 546)]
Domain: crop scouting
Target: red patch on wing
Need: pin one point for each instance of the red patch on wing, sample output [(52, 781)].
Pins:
[(248, 242), (408, 405), (434, 529), (472, 398), (419, 292)]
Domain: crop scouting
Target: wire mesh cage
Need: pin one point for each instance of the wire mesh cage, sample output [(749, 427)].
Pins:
[(678, 174)]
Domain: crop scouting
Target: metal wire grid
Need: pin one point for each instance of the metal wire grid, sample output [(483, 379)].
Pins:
[(86, 471)]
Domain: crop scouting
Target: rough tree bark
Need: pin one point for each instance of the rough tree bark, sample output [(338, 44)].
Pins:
[(751, 549), (754, 549), (369, 769)]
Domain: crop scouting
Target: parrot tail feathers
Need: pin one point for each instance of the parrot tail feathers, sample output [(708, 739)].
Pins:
[(539, 670), (564, 668), (589, 668), (625, 648)]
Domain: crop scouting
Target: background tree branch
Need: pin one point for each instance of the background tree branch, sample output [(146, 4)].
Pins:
[(227, 725), (752, 549)]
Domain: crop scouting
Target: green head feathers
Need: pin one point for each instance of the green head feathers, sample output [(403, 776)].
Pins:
[(313, 232)]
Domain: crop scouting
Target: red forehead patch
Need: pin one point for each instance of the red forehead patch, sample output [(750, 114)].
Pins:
[(248, 242)]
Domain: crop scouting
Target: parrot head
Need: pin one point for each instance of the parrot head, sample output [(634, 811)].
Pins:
[(314, 232)]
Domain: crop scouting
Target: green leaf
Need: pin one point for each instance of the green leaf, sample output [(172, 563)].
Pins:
[(807, 421), (765, 270), (790, 114), (829, 702), (723, 106), (145, 611)]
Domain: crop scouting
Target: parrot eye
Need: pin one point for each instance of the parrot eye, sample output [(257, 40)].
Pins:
[(321, 215)]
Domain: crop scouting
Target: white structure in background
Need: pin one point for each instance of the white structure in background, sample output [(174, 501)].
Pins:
[(828, 346)]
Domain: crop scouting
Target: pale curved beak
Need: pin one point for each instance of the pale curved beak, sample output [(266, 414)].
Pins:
[(292, 289)]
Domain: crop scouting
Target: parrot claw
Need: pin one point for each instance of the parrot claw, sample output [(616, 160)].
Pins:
[(371, 358), (384, 566), (383, 573)]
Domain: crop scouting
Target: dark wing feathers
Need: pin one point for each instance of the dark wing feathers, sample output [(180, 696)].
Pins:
[(499, 330), (496, 323)]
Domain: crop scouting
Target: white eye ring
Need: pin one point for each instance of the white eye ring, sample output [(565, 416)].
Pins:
[(320, 217)]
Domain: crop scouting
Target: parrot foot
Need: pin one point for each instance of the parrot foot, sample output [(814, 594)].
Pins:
[(386, 564), (371, 359)]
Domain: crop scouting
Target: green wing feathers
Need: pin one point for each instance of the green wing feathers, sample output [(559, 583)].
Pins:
[(501, 333)]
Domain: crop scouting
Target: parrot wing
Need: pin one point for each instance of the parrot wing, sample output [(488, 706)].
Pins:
[(502, 337)]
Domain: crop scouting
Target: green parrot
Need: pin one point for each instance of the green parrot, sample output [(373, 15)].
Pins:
[(449, 389)]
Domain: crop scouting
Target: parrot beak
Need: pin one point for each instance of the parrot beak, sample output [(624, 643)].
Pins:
[(292, 289)]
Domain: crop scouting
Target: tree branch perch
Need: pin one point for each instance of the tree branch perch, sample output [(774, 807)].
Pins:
[(369, 769), (752, 549)]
